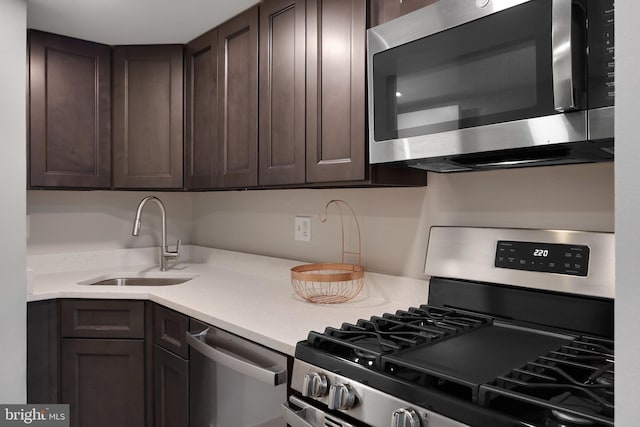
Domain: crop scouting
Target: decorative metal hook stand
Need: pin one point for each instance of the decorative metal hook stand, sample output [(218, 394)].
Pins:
[(331, 283), (355, 220)]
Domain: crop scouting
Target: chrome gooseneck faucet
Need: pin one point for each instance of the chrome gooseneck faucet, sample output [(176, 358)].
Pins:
[(165, 253)]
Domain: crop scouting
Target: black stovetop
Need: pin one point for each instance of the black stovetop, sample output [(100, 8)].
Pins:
[(473, 367)]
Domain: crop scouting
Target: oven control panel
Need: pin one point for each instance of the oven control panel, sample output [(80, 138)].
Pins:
[(543, 257)]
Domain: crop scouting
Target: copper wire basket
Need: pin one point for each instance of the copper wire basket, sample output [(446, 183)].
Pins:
[(331, 283)]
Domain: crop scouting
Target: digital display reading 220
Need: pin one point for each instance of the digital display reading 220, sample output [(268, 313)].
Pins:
[(543, 257), (541, 252)]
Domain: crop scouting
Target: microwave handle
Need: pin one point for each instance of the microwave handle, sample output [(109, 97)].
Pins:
[(562, 46)]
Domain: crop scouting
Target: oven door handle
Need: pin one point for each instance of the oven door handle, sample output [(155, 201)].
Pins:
[(563, 46), (265, 369), (295, 417), (298, 413)]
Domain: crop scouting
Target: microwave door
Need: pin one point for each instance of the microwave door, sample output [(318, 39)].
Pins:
[(509, 66)]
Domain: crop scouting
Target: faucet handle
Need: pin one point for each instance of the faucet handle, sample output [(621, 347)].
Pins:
[(172, 254)]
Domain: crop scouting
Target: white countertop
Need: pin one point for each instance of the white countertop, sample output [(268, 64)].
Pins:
[(248, 295)]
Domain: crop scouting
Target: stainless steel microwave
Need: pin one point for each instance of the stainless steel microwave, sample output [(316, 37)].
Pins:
[(465, 85)]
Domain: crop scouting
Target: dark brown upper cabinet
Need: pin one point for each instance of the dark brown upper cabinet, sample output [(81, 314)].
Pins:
[(147, 116), (335, 121), (274, 97), (282, 92), (312, 97), (386, 10), (238, 101), (201, 109), (69, 112)]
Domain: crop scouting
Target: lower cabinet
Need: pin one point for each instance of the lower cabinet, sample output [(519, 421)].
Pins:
[(43, 352), (115, 362), (103, 381), (102, 362), (126, 363), (171, 389), (170, 368)]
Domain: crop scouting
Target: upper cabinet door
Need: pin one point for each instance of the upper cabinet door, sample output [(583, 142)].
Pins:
[(335, 90), (282, 92), (69, 112), (201, 107), (147, 122), (238, 100)]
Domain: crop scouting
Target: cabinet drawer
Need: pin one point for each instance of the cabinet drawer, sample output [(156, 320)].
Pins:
[(169, 330), (102, 319)]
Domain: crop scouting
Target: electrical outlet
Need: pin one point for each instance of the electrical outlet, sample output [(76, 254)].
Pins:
[(302, 228)]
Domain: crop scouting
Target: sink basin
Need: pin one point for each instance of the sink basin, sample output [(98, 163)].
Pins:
[(139, 279)]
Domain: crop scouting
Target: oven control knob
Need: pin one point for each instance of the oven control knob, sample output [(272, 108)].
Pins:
[(341, 396), (314, 385), (405, 417)]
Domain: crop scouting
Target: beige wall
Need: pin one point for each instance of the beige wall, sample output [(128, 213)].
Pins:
[(262, 222), (70, 221), (579, 197), (395, 221)]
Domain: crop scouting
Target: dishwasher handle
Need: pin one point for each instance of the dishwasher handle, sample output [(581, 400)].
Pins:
[(275, 374)]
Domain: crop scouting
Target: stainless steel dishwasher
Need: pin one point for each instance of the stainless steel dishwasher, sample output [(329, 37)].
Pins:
[(232, 381)]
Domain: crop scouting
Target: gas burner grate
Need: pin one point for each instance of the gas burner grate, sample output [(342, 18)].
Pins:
[(404, 332), (368, 340), (355, 343), (575, 381), (437, 319)]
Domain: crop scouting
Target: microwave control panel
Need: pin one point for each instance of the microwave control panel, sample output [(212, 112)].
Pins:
[(543, 257), (600, 33)]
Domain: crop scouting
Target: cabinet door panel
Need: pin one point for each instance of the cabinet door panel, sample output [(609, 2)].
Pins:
[(282, 92), (238, 91), (335, 90), (147, 100), (103, 381), (201, 144), (171, 392), (70, 112), (43, 360)]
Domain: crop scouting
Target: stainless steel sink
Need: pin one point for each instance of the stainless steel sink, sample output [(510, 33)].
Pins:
[(139, 279)]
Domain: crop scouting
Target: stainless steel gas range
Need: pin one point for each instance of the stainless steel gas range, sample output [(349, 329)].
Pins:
[(517, 331)]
